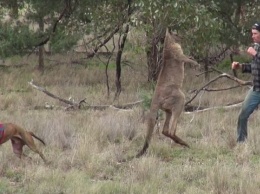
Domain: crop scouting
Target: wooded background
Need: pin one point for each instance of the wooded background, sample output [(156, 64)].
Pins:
[(209, 30)]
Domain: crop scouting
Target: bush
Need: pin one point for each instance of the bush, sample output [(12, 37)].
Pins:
[(225, 65)]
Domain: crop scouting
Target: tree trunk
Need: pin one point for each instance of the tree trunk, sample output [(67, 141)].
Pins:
[(14, 8), (154, 54), (206, 69), (121, 45), (118, 61), (41, 48)]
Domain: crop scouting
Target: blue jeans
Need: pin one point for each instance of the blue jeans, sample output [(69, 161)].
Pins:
[(250, 103)]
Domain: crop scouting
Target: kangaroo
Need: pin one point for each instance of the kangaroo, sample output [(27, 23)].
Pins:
[(168, 95)]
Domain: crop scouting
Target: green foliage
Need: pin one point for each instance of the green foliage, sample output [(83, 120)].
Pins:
[(201, 23), (21, 37), (236, 18), (137, 48), (5, 188), (110, 66), (15, 40), (225, 65), (63, 40), (147, 99)]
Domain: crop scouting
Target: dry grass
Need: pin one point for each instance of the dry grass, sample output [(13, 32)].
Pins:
[(84, 146)]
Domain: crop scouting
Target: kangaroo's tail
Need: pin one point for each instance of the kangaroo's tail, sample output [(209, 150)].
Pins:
[(151, 121)]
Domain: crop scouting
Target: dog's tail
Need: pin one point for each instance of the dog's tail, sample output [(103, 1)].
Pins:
[(37, 137)]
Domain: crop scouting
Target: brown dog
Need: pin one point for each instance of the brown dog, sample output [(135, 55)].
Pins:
[(19, 137)]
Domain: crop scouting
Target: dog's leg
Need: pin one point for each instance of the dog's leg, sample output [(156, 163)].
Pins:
[(41, 155), (30, 143), (28, 140), (17, 145), (36, 150)]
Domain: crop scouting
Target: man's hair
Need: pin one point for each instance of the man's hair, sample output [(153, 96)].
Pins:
[(256, 26)]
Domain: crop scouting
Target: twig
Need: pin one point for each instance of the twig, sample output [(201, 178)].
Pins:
[(217, 107), (239, 81), (94, 51)]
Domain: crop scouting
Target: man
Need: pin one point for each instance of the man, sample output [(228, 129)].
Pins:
[(252, 99)]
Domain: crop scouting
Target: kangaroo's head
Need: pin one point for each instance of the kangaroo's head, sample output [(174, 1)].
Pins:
[(172, 36)]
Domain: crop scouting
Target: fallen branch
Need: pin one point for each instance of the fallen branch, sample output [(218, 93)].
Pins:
[(216, 107), (73, 105), (116, 107)]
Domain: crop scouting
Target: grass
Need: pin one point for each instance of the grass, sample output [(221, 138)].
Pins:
[(84, 146)]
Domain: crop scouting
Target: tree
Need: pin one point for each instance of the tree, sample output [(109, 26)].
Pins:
[(43, 12), (203, 26), (154, 16), (35, 25), (220, 28)]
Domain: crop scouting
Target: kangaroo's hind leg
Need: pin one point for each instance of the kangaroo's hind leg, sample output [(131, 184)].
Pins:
[(173, 108)]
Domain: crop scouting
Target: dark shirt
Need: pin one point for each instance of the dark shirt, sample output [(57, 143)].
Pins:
[(254, 68)]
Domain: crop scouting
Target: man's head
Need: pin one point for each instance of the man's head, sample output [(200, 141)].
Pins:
[(256, 32)]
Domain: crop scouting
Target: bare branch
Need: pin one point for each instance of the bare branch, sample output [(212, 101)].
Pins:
[(239, 81), (216, 107), (73, 105), (56, 97), (91, 54), (220, 89)]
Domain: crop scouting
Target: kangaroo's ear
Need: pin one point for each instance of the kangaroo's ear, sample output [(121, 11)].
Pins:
[(177, 38), (167, 31), (171, 29)]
